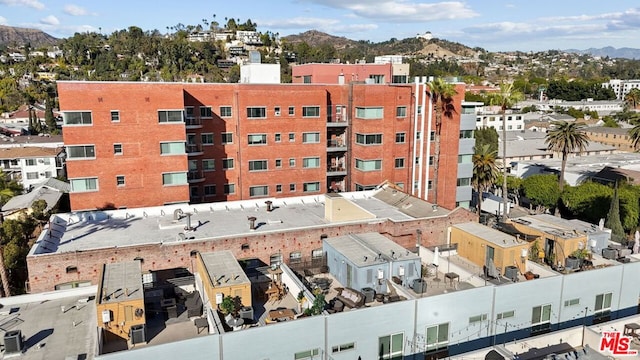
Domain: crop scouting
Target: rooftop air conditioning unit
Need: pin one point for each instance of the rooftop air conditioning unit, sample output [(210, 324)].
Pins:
[(609, 253), (13, 342)]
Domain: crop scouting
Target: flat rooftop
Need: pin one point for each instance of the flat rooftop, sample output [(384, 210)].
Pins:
[(223, 268), (486, 233), (364, 249), (71, 232), (56, 325), (121, 282)]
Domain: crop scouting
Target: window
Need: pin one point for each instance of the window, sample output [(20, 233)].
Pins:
[(308, 138), (466, 134), (292, 162), (399, 79), (172, 148), (437, 336), (419, 109), (229, 189), (400, 138), (369, 139), (257, 139), (431, 159), (205, 112), (276, 110), (432, 135), (343, 347), (77, 118), (257, 165), (292, 187), (401, 111), (541, 315), (72, 269), (430, 185), (30, 162), (312, 162), (295, 257), (188, 112), (195, 192), (311, 111), (311, 187), (464, 182), (82, 185), (225, 111), (571, 302), (369, 112), (47, 174), (78, 152), (368, 165), (120, 180), (306, 79), (317, 253), (227, 164), (209, 190), (292, 110), (256, 112), (208, 165), (603, 303), (399, 163), (258, 191), (292, 137), (207, 138), (278, 163), (465, 159), (117, 149), (169, 116), (279, 188), (45, 161), (303, 355), (377, 79), (365, 187), (505, 315), (176, 178), (478, 318), (391, 346), (32, 175), (277, 137), (115, 116), (400, 185), (227, 138)]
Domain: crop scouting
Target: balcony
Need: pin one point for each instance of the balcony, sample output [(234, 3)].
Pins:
[(194, 149), (336, 171), (195, 176), (337, 120), (336, 145), (193, 123)]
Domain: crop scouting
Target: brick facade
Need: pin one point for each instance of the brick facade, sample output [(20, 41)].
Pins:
[(333, 112), (48, 270)]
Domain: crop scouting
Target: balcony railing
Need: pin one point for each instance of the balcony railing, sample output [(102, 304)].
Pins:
[(194, 149), (336, 145), (193, 122), (195, 176), (336, 171)]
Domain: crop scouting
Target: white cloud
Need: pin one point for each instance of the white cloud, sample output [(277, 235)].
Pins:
[(59, 30), (29, 3), (50, 20), (75, 10), (3, 20), (403, 11)]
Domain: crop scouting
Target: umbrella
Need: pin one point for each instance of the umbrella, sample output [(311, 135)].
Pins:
[(636, 245)]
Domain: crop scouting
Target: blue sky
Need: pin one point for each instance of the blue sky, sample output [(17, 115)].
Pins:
[(495, 25)]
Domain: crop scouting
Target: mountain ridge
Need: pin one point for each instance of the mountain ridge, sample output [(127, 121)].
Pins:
[(23, 36)]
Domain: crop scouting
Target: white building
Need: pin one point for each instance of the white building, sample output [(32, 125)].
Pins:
[(260, 73), (621, 87), (388, 59), (31, 165)]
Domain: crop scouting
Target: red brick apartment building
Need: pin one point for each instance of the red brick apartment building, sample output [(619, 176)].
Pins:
[(148, 144)]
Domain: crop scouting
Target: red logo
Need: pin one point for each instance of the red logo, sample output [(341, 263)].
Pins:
[(616, 343)]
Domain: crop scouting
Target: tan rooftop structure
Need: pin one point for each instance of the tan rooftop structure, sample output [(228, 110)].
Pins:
[(28, 152), (223, 276)]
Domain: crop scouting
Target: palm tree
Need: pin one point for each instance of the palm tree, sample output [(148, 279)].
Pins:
[(634, 134), (633, 98), (565, 138), (506, 98), (442, 94), (485, 171)]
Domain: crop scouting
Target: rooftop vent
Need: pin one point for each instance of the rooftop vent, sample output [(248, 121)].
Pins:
[(177, 214), (252, 222)]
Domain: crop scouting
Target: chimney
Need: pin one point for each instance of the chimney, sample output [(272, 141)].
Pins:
[(252, 222), (188, 227), (269, 205)]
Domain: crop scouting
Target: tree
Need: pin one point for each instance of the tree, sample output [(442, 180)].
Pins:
[(632, 99), (634, 134), (613, 219), (485, 171), (486, 135), (506, 98), (542, 190), (441, 95), (566, 138)]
